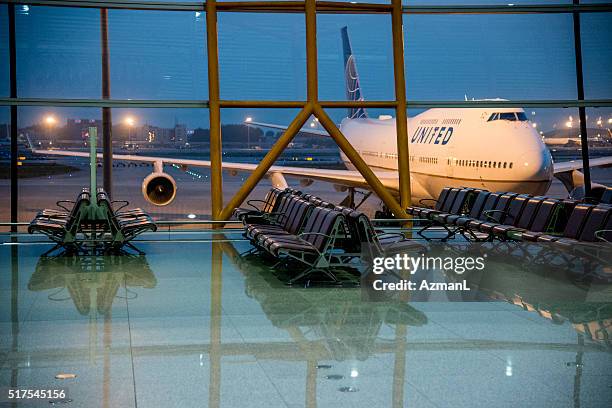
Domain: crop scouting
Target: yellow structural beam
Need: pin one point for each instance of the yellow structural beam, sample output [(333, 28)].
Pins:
[(313, 106), (403, 153), (266, 162), (359, 163), (216, 170)]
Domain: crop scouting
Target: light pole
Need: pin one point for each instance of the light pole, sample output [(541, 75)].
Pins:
[(248, 120), (50, 121), (129, 121)]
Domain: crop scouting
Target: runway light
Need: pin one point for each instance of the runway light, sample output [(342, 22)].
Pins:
[(191, 216)]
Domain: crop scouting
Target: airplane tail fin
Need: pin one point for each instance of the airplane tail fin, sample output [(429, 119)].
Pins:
[(353, 89)]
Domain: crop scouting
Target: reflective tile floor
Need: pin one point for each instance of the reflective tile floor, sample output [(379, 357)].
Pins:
[(193, 324)]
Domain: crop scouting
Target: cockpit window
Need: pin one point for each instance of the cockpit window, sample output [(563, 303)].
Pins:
[(521, 116), (512, 116), (507, 116)]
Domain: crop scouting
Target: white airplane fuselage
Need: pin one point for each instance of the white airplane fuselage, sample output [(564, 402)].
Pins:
[(459, 147)]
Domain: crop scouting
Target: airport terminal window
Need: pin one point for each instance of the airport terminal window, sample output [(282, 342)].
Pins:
[(372, 51), (5, 173), (4, 51), (58, 52), (596, 29), (157, 55), (474, 65), (44, 181), (262, 56)]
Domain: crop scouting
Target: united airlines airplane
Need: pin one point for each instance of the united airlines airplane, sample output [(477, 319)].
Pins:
[(492, 148)]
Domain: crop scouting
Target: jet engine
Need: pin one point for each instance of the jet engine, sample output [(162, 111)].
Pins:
[(159, 188)]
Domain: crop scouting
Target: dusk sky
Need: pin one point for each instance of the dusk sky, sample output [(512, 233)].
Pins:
[(162, 55)]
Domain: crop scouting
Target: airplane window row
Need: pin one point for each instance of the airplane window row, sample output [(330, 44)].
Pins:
[(511, 116), (378, 154), (480, 163), (428, 160)]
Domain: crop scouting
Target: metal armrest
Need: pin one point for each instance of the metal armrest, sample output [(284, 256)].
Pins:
[(487, 214), (390, 234), (65, 202), (256, 201), (269, 215), (422, 200), (315, 233), (125, 204), (598, 235)]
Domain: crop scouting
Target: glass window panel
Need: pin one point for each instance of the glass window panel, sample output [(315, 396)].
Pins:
[(245, 141), (5, 166), (372, 52), (164, 133), (451, 57), (158, 55), (4, 51), (596, 54), (599, 133), (58, 52), (262, 56), (45, 178)]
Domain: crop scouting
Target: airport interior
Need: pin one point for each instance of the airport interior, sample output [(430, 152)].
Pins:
[(388, 203)]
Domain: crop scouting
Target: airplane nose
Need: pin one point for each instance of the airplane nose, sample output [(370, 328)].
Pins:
[(536, 167), (536, 164)]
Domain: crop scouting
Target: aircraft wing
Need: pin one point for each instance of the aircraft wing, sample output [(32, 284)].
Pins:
[(566, 166), (306, 175), (312, 131)]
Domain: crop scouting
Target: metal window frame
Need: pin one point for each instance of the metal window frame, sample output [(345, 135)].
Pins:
[(310, 9)]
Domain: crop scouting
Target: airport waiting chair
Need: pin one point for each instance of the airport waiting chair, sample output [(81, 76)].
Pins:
[(584, 221), (312, 247), (509, 216), (489, 216), (259, 207), (288, 221), (124, 226), (519, 223), (457, 202), (283, 202), (437, 204), (363, 241), (63, 229), (606, 197)]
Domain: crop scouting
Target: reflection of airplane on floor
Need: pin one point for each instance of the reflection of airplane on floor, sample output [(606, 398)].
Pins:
[(92, 281), (492, 148)]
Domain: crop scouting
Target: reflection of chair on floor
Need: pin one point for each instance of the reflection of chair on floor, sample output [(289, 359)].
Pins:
[(348, 326), (92, 281), (548, 293)]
